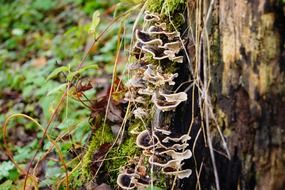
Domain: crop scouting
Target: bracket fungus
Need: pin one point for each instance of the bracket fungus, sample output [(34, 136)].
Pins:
[(145, 140), (159, 161), (162, 131), (158, 79), (160, 30), (146, 91), (150, 17), (161, 25), (135, 83), (179, 156), (132, 178), (126, 181), (140, 113), (180, 173), (155, 48), (169, 157), (146, 39), (184, 138), (174, 47), (167, 102)]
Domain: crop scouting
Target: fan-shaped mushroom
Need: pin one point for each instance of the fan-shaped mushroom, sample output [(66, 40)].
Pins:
[(135, 83), (146, 91), (180, 173), (168, 145), (163, 131), (126, 181), (159, 161), (158, 79), (145, 140), (172, 57), (150, 17), (156, 30), (179, 156), (139, 113), (156, 52), (167, 102), (184, 138), (161, 25), (160, 53), (178, 59), (145, 38), (173, 146), (174, 47)]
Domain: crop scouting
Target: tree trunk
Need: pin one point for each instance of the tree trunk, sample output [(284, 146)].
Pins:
[(247, 92)]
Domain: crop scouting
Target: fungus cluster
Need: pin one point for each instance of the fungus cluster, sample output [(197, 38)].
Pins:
[(154, 46), (135, 176), (165, 151)]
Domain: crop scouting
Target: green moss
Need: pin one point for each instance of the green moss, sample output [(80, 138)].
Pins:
[(99, 137), (165, 7), (154, 5), (119, 157), (169, 10), (171, 6)]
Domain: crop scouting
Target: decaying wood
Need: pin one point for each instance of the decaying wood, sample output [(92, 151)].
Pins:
[(248, 96)]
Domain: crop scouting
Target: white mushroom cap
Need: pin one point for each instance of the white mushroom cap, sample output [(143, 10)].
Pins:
[(184, 138), (161, 25), (168, 146), (140, 113), (145, 140), (126, 181), (179, 156), (151, 17), (145, 38), (135, 83), (160, 53), (180, 173), (163, 131), (146, 91), (158, 79), (167, 102), (151, 76), (157, 30), (180, 96), (178, 59), (174, 146), (156, 52), (171, 163), (174, 47), (171, 56)]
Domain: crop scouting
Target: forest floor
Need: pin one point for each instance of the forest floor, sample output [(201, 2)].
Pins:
[(42, 44)]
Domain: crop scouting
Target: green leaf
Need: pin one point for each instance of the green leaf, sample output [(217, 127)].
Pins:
[(56, 89), (6, 185), (72, 74), (13, 174), (5, 168), (57, 71), (44, 5), (94, 24)]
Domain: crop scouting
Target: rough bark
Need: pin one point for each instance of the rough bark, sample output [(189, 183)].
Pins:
[(248, 93), (248, 96)]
